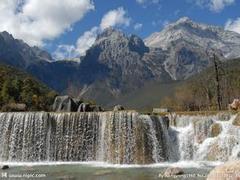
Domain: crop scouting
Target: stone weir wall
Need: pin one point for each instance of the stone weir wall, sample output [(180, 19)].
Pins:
[(114, 137)]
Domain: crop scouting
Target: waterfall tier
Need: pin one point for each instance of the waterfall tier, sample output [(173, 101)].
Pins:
[(114, 137), (122, 137)]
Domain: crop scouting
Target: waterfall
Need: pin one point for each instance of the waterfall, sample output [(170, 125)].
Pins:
[(114, 137), (207, 138), (124, 137)]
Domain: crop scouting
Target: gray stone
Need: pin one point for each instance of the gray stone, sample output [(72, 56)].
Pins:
[(84, 107), (228, 171), (64, 104), (96, 108), (4, 167), (173, 171)]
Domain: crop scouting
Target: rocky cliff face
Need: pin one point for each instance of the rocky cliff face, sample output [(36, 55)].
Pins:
[(122, 63), (189, 46), (17, 53)]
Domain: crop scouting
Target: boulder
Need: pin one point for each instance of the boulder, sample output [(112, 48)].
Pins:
[(84, 107), (173, 171), (77, 101), (227, 171), (118, 108), (4, 167), (14, 107), (64, 104), (236, 121), (201, 129), (96, 108), (215, 129), (224, 116), (166, 121), (235, 105)]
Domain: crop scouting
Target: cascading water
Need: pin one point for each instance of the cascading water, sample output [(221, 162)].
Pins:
[(114, 137), (207, 138), (123, 137)]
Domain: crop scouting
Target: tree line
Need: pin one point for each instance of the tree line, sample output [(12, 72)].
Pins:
[(212, 89), (18, 87)]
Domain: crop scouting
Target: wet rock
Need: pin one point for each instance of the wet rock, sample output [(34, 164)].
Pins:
[(227, 171), (84, 107), (4, 167), (226, 116), (215, 129), (201, 129), (173, 171), (77, 101), (236, 121), (64, 104), (166, 121), (218, 151), (118, 108), (235, 105), (96, 108)]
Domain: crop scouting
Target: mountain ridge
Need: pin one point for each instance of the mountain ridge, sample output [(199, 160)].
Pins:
[(119, 64)]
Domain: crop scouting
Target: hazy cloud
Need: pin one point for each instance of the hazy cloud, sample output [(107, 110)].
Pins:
[(214, 5), (138, 26)]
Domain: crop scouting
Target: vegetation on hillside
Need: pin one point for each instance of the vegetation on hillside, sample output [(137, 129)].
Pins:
[(206, 92), (19, 87)]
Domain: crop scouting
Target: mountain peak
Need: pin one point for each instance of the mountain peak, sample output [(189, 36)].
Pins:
[(6, 35), (110, 32), (184, 20)]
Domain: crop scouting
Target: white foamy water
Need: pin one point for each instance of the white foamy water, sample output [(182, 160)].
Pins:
[(116, 139)]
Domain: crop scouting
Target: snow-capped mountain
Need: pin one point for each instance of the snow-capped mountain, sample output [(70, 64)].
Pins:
[(189, 46)]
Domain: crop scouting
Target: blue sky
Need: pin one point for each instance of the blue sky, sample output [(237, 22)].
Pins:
[(57, 26)]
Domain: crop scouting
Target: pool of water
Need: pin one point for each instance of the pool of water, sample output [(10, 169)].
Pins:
[(102, 171)]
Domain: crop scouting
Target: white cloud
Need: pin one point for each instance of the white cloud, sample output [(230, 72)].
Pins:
[(218, 5), (114, 18), (64, 52), (35, 21), (138, 26), (85, 41), (233, 25), (214, 5), (142, 2)]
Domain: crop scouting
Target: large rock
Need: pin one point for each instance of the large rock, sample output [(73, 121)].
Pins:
[(215, 129), (173, 171), (97, 108), (224, 116), (201, 129), (228, 171), (64, 104), (86, 107), (4, 167), (236, 121), (235, 104), (118, 108)]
